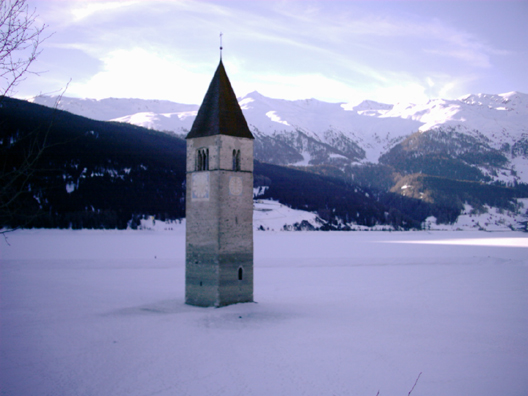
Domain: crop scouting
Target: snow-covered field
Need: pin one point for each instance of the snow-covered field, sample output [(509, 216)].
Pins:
[(350, 313)]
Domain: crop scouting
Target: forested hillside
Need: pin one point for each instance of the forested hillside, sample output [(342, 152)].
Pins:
[(86, 173), (69, 171)]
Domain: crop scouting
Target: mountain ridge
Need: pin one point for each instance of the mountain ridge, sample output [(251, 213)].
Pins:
[(359, 134)]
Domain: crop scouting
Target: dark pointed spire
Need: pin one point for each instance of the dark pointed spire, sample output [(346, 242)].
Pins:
[(220, 113)]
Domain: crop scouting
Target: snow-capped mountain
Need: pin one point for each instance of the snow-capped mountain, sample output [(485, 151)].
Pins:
[(112, 108), (312, 132)]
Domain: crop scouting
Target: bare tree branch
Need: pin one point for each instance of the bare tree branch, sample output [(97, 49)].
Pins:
[(20, 40), (15, 181), (415, 382), (409, 394)]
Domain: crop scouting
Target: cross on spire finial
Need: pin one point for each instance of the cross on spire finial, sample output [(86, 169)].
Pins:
[(221, 48)]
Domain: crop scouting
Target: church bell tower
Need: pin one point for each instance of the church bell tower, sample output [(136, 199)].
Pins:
[(219, 201)]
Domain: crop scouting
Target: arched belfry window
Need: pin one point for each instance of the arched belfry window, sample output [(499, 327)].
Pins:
[(202, 159), (240, 273), (236, 160), (198, 160)]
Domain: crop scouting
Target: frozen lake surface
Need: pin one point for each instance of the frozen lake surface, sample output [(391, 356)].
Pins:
[(350, 313)]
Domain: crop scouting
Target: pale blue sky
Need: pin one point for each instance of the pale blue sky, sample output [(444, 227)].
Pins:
[(336, 51)]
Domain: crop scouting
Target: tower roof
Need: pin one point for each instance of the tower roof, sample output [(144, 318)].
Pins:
[(220, 113)]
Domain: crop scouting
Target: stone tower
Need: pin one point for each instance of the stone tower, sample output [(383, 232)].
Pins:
[(219, 201)]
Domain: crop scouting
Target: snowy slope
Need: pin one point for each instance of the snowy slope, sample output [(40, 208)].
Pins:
[(273, 216), (493, 219), (376, 127), (174, 122), (501, 118), (325, 122), (373, 126), (136, 111)]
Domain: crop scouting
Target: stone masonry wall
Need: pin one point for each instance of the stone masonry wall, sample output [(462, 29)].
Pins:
[(219, 247)]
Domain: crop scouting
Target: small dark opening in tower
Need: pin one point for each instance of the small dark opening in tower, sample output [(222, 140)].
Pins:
[(240, 273), (236, 160), (202, 159)]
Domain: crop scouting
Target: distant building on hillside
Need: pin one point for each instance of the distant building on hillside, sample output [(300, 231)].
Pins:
[(219, 201)]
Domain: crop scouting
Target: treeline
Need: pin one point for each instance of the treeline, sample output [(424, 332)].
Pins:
[(456, 193), (340, 203), (85, 173)]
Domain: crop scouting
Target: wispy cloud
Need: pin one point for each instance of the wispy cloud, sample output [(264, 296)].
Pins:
[(287, 47), (139, 73), (82, 10)]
